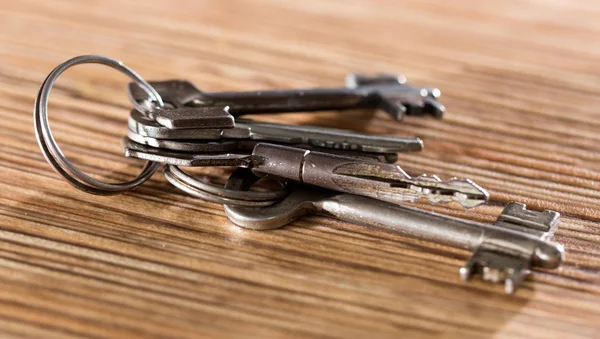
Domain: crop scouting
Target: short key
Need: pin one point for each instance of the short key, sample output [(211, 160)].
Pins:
[(141, 129), (502, 253), (192, 108)]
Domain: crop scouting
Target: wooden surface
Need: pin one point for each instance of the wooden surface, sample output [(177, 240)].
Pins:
[(521, 80)]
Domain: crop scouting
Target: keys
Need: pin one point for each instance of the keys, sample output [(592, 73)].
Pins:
[(192, 108), (135, 150), (330, 138), (248, 130), (501, 253), (342, 173), (148, 127), (231, 145)]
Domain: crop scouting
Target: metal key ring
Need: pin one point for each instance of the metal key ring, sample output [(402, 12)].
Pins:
[(53, 153), (230, 194)]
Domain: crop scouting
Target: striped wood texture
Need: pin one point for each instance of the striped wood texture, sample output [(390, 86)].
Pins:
[(520, 78)]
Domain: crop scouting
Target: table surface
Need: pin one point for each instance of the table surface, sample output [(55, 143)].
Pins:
[(520, 79)]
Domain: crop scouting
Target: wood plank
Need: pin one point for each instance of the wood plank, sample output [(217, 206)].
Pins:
[(519, 78)]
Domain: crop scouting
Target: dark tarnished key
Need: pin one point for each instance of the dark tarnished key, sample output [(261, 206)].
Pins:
[(386, 92)]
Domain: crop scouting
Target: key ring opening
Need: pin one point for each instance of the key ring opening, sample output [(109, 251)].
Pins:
[(52, 151), (231, 194)]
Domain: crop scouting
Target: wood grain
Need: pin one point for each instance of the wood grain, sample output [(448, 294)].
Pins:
[(520, 78)]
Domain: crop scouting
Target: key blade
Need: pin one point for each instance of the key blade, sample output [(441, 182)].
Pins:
[(332, 138), (192, 117), (391, 183), (133, 149)]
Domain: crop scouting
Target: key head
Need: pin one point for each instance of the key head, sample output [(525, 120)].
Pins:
[(182, 145), (146, 126), (397, 98), (175, 93), (178, 95), (300, 201), (194, 118)]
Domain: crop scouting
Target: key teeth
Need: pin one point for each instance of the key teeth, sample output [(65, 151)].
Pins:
[(391, 183), (466, 272), (466, 192), (355, 80), (496, 268), (511, 283), (434, 107), (427, 177), (395, 109), (517, 216)]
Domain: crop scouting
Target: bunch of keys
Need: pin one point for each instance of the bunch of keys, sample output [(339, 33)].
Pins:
[(201, 129), (347, 175)]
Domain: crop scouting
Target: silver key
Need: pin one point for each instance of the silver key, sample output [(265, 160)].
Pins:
[(134, 150), (221, 153), (502, 253), (142, 128), (368, 178), (147, 127), (239, 146)]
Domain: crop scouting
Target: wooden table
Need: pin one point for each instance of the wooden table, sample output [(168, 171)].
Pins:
[(520, 79)]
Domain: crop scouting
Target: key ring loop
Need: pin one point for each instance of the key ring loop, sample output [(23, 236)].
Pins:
[(52, 151), (231, 194)]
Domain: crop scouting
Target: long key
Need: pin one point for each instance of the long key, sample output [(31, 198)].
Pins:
[(502, 253), (193, 108)]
